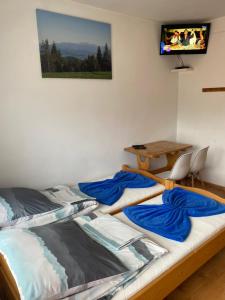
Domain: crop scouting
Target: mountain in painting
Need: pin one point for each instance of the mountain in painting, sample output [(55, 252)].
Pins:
[(78, 50)]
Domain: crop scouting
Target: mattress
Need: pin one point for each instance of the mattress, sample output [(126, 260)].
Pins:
[(130, 196), (203, 228)]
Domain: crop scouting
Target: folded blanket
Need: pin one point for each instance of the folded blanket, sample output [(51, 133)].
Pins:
[(58, 260), (20, 205), (172, 218), (63, 194), (110, 190), (136, 255), (121, 236)]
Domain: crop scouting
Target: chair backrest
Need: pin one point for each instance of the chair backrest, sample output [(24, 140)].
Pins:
[(199, 160), (181, 167)]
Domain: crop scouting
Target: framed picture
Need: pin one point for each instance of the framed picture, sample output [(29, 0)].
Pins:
[(72, 47)]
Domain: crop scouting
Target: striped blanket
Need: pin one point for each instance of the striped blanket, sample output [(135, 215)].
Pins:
[(28, 207), (67, 259)]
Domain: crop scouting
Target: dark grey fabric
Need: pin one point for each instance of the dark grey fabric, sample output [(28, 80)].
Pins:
[(141, 248), (92, 215), (84, 259), (26, 202)]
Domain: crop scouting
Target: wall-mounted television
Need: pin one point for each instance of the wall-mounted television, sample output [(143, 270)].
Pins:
[(184, 39)]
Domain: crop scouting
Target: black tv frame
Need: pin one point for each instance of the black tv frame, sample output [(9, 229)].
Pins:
[(179, 26)]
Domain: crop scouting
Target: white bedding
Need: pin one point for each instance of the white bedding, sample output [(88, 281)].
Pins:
[(130, 196), (203, 228)]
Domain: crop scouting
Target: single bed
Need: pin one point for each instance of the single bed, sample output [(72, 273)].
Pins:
[(205, 240), (27, 207), (132, 196)]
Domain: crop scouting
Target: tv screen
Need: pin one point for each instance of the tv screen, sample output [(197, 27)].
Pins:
[(184, 39)]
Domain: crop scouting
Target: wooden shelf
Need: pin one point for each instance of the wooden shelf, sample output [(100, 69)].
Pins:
[(182, 70), (213, 90)]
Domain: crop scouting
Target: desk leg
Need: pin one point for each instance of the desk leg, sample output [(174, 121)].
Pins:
[(143, 162), (171, 159)]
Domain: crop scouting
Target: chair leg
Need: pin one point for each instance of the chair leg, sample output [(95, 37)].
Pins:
[(192, 180), (202, 182), (183, 182)]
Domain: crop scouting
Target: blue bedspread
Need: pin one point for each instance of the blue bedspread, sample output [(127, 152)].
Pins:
[(110, 190), (172, 218)]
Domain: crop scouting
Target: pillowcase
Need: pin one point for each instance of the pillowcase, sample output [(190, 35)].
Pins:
[(20, 205)]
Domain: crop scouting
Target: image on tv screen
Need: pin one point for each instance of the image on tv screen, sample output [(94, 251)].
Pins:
[(184, 39)]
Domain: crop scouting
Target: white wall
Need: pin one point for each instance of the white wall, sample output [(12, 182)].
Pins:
[(58, 130), (201, 116)]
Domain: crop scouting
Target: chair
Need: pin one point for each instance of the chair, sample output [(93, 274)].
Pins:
[(198, 164), (180, 169)]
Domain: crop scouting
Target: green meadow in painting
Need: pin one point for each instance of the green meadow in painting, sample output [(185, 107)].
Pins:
[(72, 47)]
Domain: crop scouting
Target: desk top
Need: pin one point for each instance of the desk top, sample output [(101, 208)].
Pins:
[(158, 148)]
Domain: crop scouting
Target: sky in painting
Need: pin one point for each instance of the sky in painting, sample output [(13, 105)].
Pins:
[(63, 28)]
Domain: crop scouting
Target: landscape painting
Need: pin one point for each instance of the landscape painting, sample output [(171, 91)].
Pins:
[(72, 47)]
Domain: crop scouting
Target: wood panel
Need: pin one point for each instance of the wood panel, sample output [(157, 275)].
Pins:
[(207, 283), (116, 211), (155, 149), (172, 150), (213, 90), (202, 192), (8, 287), (144, 173)]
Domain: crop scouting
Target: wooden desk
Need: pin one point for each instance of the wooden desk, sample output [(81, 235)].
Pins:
[(172, 151)]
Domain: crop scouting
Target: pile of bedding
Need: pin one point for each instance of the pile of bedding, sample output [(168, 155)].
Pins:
[(23, 207), (85, 258), (29, 207), (67, 249)]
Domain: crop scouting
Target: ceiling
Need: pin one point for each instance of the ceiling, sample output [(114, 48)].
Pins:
[(164, 10)]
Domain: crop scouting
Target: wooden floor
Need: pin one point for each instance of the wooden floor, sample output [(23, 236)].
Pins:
[(220, 191), (208, 283)]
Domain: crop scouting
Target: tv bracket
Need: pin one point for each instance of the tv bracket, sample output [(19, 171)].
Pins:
[(181, 64)]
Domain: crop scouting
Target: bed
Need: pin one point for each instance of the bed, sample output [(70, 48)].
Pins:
[(133, 196), (207, 238), (165, 274)]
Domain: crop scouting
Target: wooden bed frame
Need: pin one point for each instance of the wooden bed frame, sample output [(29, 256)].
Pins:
[(162, 286), (159, 288)]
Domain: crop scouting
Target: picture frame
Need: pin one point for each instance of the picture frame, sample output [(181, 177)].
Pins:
[(73, 47)]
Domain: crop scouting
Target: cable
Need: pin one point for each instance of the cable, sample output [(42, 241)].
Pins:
[(181, 61)]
